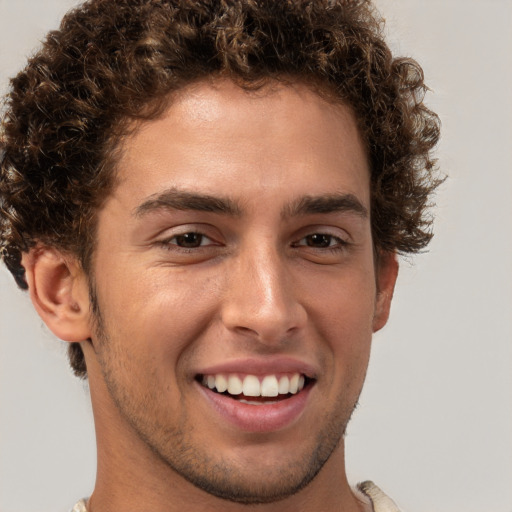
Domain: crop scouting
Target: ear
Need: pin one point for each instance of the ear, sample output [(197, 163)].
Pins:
[(58, 289), (387, 272)]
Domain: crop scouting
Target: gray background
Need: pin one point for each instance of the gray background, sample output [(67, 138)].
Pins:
[(435, 422)]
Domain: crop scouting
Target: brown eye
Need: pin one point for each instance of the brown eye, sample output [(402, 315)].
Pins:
[(320, 240), (189, 240)]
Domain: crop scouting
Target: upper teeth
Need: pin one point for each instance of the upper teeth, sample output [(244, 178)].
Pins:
[(252, 385)]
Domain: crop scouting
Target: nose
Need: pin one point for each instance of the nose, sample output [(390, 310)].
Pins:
[(261, 297)]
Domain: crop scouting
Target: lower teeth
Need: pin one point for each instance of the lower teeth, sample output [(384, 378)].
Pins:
[(252, 402)]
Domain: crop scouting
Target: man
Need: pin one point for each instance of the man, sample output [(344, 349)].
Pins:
[(207, 200)]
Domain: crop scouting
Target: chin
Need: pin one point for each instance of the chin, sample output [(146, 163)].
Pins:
[(256, 487), (256, 475)]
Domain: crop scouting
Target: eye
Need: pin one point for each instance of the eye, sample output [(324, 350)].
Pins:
[(321, 241), (189, 240)]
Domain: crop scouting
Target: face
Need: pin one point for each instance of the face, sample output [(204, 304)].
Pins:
[(235, 281)]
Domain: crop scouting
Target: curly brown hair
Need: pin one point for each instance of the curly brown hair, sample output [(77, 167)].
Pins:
[(113, 61)]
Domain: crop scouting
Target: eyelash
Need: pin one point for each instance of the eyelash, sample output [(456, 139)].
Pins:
[(340, 244), (167, 243)]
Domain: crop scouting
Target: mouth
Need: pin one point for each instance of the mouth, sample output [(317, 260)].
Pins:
[(256, 390), (258, 395)]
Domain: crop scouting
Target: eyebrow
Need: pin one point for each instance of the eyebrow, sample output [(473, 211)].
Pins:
[(173, 199), (331, 203)]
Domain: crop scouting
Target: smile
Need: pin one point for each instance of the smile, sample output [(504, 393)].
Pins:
[(257, 403), (251, 386)]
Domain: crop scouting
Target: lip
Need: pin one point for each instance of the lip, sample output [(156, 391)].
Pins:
[(252, 366), (257, 418)]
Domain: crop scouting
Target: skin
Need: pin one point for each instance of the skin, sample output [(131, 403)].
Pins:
[(263, 281)]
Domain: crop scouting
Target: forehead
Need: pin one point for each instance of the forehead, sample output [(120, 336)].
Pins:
[(215, 137)]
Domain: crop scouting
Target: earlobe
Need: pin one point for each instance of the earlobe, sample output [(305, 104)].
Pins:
[(387, 272), (58, 290)]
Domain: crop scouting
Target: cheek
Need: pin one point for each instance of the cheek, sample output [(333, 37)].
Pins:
[(342, 316), (156, 313), (346, 300)]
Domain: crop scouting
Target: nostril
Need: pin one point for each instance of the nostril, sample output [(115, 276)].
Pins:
[(246, 330)]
